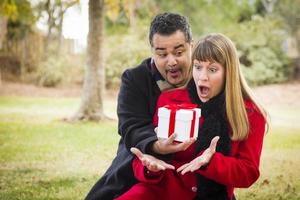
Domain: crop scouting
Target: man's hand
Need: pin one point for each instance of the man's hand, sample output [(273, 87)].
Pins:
[(150, 162), (166, 146), (202, 160)]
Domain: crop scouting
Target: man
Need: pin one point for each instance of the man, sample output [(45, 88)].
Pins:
[(171, 44)]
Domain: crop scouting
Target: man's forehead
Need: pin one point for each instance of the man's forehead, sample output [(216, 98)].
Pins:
[(173, 41), (169, 47)]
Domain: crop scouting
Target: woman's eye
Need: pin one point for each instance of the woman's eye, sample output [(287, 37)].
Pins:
[(197, 67), (213, 70)]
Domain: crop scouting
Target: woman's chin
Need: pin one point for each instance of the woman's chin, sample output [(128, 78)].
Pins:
[(204, 99)]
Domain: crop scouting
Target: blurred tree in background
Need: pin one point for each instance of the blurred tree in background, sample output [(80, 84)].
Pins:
[(266, 33), (53, 11), (258, 31), (289, 12), (17, 26), (91, 107)]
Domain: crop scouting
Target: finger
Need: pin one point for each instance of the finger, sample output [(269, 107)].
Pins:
[(160, 167), (183, 167), (145, 162), (184, 145), (137, 152), (196, 166), (156, 167), (187, 169), (171, 139), (213, 143), (151, 168), (167, 166)]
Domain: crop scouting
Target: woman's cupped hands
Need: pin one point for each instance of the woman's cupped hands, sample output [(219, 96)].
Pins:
[(155, 165)]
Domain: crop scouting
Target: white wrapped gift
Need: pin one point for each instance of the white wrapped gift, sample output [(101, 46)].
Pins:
[(181, 119)]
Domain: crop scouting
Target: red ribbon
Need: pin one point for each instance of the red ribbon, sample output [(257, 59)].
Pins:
[(173, 108)]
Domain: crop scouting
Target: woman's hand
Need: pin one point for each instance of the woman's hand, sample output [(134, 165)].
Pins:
[(150, 162), (202, 160)]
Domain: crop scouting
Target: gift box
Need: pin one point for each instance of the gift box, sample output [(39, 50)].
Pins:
[(182, 119)]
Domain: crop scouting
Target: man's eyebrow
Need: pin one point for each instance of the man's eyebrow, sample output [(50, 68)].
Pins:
[(160, 48), (178, 46)]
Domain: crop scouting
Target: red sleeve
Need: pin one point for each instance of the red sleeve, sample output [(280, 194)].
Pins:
[(143, 175), (242, 170)]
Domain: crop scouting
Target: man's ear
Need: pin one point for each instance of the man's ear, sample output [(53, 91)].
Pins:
[(192, 44), (152, 50)]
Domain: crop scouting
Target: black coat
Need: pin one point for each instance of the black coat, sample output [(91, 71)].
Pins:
[(136, 107)]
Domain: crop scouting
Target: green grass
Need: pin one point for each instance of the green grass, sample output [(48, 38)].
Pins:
[(280, 174), (42, 157), (280, 161)]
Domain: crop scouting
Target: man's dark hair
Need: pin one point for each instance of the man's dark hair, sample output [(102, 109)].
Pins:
[(168, 23)]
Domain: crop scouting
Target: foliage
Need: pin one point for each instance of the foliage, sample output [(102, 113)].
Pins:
[(20, 18), (8, 9), (259, 37), (52, 13), (124, 12), (259, 42), (51, 72), (289, 11), (122, 53), (258, 33), (60, 70), (210, 15)]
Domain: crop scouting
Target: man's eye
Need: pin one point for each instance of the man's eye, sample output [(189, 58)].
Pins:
[(178, 53), (162, 55)]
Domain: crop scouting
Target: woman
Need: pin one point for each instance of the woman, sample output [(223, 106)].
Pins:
[(230, 114)]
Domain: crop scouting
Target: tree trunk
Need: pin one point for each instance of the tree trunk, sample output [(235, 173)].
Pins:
[(49, 23), (60, 36), (94, 83), (132, 15), (297, 63), (3, 30)]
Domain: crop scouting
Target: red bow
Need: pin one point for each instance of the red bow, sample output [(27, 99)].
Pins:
[(173, 108)]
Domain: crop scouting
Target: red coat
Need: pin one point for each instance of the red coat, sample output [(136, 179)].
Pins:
[(241, 169)]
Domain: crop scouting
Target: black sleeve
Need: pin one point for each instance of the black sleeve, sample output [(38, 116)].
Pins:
[(135, 118)]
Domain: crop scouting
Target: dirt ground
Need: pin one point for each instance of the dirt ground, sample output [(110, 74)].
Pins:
[(287, 93), (30, 90)]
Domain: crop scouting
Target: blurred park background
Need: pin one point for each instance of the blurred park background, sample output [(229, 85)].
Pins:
[(58, 136)]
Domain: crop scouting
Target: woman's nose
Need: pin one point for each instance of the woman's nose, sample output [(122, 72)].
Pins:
[(203, 76)]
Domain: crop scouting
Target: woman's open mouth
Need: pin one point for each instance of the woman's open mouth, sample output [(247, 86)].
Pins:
[(203, 91)]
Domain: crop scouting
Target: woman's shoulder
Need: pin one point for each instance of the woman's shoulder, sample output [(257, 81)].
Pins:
[(252, 109), (250, 106)]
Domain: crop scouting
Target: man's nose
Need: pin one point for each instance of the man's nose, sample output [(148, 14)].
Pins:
[(171, 61)]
